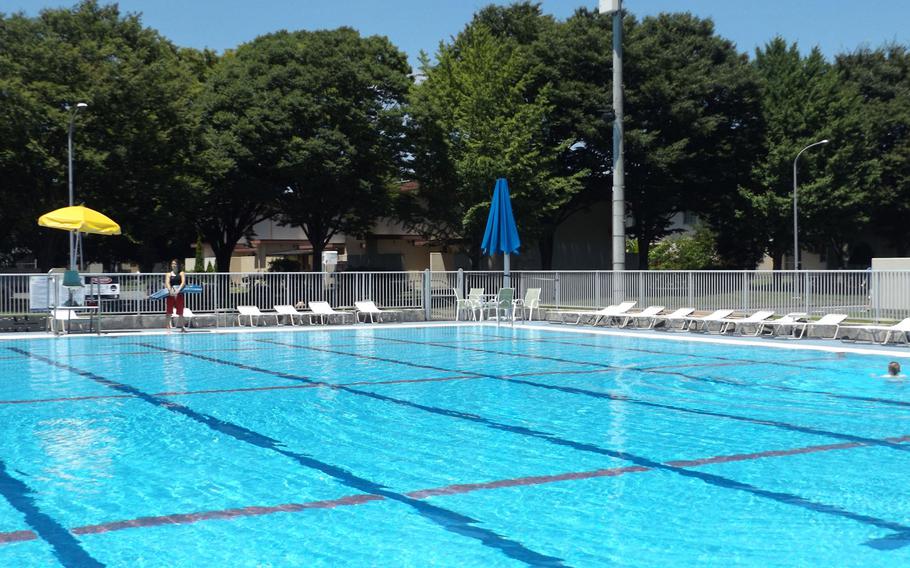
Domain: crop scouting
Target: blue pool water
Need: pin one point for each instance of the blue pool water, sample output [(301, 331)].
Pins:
[(448, 446)]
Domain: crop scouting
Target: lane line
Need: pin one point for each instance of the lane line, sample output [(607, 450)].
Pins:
[(66, 548), (602, 395), (454, 489), (449, 520), (719, 481)]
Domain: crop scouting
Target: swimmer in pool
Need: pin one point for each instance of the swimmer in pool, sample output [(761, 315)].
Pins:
[(894, 370)]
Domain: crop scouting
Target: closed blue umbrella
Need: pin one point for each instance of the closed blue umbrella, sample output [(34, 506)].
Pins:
[(501, 234)]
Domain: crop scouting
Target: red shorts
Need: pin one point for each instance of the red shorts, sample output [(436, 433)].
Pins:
[(174, 302)]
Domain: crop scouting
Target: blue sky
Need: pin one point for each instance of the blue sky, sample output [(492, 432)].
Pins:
[(834, 25)]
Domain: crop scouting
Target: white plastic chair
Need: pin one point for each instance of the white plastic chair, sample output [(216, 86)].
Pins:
[(252, 312), (717, 316), (730, 324), (680, 314), (473, 302), (648, 313), (826, 321), (290, 312), (530, 302), (368, 308), (323, 309)]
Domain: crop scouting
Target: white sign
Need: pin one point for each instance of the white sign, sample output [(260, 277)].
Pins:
[(610, 6)]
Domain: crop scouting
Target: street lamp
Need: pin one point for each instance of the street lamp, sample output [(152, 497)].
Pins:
[(795, 215), (72, 111)]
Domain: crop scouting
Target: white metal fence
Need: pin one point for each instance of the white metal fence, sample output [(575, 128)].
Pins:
[(873, 295)]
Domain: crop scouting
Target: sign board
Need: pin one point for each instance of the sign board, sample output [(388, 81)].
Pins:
[(610, 6), (43, 295), (329, 257)]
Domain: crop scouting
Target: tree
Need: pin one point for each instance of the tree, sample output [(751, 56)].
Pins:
[(692, 124), (482, 113), (133, 143), (696, 251), (881, 77), (315, 117), (803, 102)]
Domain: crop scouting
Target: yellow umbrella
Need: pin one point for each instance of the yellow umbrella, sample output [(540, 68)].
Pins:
[(80, 218)]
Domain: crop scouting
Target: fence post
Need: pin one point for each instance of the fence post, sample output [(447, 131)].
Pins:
[(690, 292), (745, 290), (876, 295), (556, 290), (806, 290), (427, 290), (596, 277)]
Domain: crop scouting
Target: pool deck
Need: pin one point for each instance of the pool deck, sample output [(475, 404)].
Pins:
[(805, 344)]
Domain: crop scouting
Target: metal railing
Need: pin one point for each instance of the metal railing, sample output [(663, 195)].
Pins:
[(862, 294)]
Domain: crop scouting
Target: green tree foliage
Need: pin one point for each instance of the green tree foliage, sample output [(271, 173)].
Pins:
[(882, 79), (133, 143), (803, 101), (482, 112), (318, 116), (692, 125)]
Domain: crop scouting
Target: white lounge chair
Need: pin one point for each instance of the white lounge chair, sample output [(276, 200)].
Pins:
[(252, 312), (901, 327), (598, 315), (757, 318), (530, 302), (188, 317), (717, 316), (323, 309), (679, 315), (290, 312), (368, 308), (774, 325), (826, 321), (473, 302), (647, 313)]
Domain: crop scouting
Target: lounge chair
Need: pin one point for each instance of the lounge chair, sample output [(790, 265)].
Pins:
[(368, 308), (826, 321), (774, 325), (679, 315), (598, 315), (252, 312), (323, 309), (473, 302), (648, 313), (717, 316), (530, 302), (290, 312), (902, 327), (188, 317), (730, 324)]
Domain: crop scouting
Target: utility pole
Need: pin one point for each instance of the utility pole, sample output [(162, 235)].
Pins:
[(614, 7)]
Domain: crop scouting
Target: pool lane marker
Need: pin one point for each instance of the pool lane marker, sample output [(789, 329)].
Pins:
[(712, 479), (596, 394), (237, 390), (449, 520), (66, 548), (446, 490), (714, 380)]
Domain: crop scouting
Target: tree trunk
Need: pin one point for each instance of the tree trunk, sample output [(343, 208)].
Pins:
[(644, 247), (545, 246), (318, 248), (777, 260)]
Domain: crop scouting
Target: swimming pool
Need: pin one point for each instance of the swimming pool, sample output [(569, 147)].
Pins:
[(447, 446)]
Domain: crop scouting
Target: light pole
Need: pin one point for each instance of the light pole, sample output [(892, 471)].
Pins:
[(72, 111), (795, 210), (614, 7)]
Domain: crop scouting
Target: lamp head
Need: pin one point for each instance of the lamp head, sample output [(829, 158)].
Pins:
[(825, 141), (84, 105)]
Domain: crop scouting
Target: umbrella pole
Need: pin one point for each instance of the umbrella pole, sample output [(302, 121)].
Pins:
[(506, 273)]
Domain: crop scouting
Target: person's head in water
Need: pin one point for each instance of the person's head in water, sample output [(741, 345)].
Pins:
[(894, 368)]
